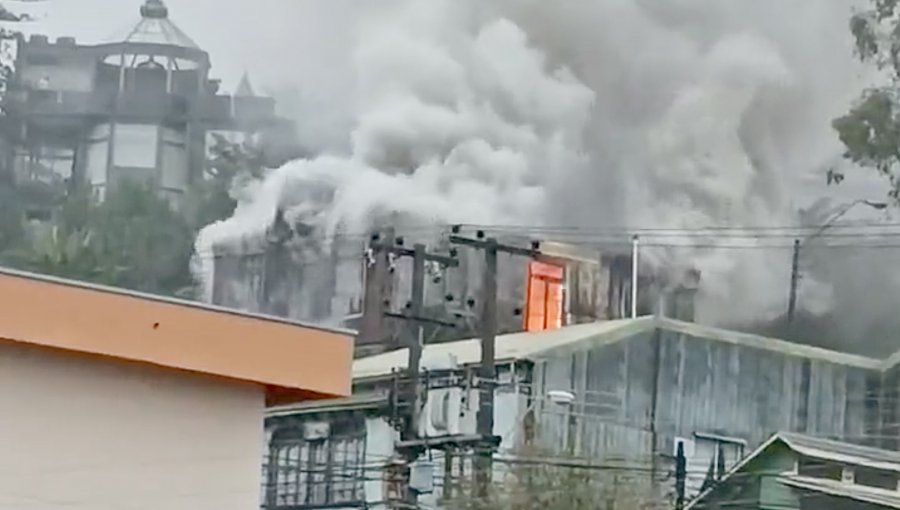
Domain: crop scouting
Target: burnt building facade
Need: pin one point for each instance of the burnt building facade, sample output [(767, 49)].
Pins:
[(294, 273)]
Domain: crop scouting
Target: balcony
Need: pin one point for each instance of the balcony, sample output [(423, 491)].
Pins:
[(217, 111)]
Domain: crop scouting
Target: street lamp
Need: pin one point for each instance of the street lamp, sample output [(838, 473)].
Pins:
[(795, 264)]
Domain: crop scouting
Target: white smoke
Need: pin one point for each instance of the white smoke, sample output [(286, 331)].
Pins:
[(452, 123), (646, 113)]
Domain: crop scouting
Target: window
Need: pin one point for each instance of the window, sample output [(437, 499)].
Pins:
[(817, 468), (723, 452), (875, 478), (313, 463), (135, 145), (708, 458)]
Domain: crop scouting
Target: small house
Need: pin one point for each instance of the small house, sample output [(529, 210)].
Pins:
[(800, 472)]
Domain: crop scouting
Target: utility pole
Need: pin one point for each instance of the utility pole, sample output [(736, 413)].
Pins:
[(420, 256), (795, 265), (680, 476), (634, 276), (415, 394), (487, 372), (374, 294), (795, 277)]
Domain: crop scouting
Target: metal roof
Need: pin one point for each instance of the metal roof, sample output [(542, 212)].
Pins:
[(881, 497), (842, 452), (515, 346), (825, 449), (533, 346), (771, 344)]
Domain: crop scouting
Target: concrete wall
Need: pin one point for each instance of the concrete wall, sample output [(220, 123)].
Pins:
[(84, 434)]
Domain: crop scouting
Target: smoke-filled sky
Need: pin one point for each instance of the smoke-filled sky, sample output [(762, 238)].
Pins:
[(603, 113)]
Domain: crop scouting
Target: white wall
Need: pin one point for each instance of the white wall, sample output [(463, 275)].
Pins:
[(380, 438), (85, 434)]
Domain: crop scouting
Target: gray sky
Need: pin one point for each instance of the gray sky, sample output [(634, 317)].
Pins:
[(238, 34)]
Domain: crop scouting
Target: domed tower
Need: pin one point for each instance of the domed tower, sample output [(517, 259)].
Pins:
[(154, 78), (138, 108)]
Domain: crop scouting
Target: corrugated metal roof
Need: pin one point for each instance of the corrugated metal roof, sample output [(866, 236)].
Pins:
[(839, 451), (880, 497), (771, 344), (515, 346), (820, 448), (531, 346)]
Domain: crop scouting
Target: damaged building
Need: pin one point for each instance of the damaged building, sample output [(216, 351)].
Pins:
[(294, 272)]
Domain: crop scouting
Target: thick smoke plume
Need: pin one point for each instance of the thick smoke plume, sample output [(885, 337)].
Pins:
[(604, 114)]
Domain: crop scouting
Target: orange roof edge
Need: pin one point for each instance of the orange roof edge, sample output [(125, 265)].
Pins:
[(292, 361)]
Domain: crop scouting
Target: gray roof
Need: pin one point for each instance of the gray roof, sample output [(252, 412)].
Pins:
[(826, 449), (155, 27), (534, 346), (842, 452), (880, 497), (511, 347), (244, 88)]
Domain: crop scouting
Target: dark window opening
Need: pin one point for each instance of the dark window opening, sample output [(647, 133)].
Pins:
[(875, 478), (816, 468)]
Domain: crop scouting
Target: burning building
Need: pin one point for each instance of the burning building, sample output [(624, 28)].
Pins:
[(291, 272), (141, 108)]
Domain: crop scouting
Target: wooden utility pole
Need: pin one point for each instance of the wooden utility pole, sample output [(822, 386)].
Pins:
[(680, 476), (374, 295), (795, 277), (487, 373), (420, 256), (414, 395)]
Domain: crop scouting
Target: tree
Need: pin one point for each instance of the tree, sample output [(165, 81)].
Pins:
[(870, 131), (537, 479), (12, 218), (132, 240)]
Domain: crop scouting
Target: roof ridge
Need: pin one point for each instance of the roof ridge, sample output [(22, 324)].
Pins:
[(771, 343)]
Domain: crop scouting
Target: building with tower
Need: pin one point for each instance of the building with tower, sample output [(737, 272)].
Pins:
[(139, 108)]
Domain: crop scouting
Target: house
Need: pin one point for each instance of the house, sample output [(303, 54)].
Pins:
[(796, 471), (140, 107), (113, 399), (641, 387)]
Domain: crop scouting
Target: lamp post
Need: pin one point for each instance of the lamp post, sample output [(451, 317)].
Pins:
[(798, 243)]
